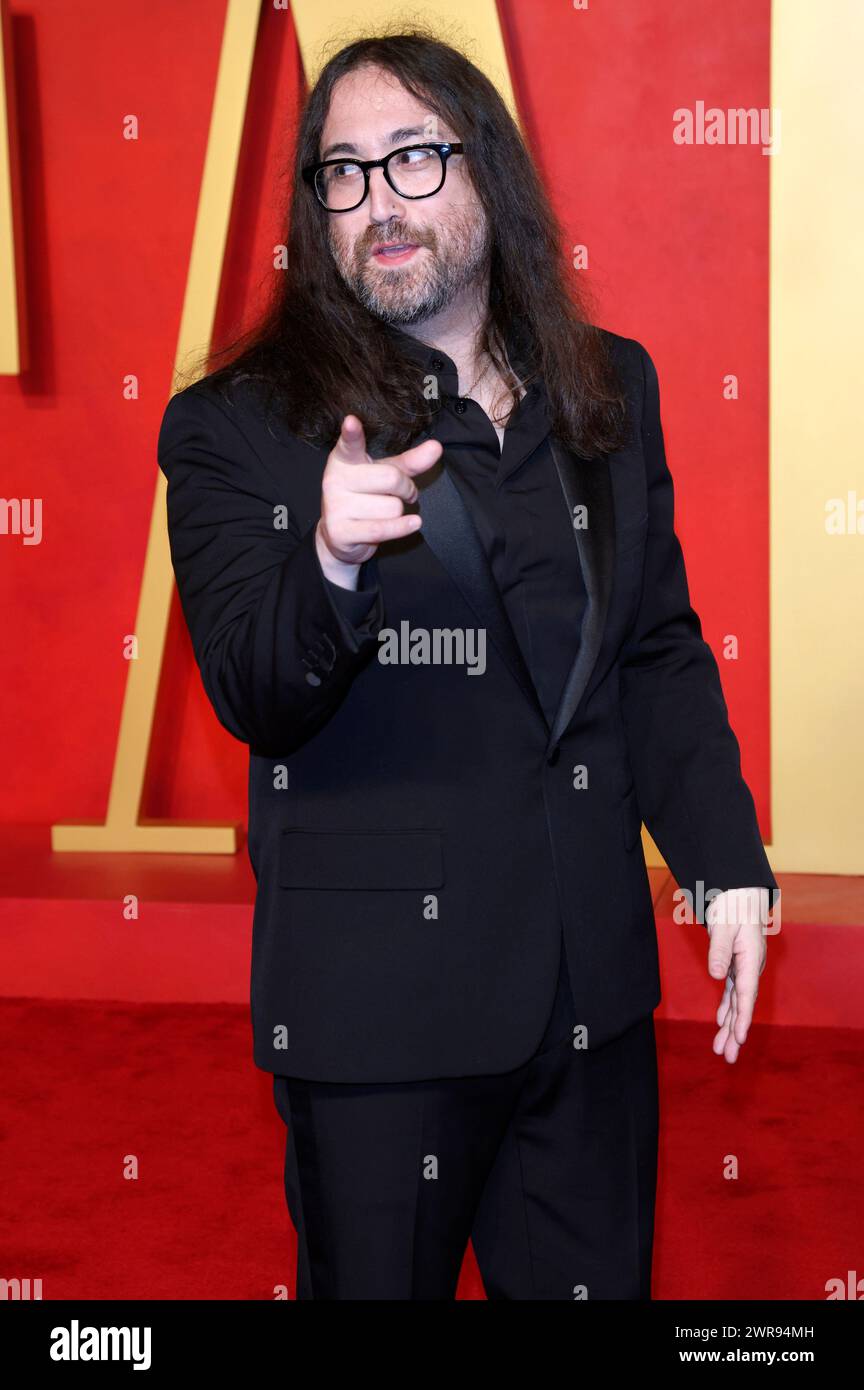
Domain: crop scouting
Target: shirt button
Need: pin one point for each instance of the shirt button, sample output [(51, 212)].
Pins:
[(312, 679)]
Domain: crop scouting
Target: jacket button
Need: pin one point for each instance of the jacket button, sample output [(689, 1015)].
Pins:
[(461, 406), (554, 756), (312, 679), (437, 364)]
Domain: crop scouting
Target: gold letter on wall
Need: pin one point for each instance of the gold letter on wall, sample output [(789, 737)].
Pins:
[(123, 830)]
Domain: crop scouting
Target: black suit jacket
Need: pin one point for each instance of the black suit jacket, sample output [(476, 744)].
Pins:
[(418, 834)]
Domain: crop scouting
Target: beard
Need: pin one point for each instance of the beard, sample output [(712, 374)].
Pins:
[(457, 256)]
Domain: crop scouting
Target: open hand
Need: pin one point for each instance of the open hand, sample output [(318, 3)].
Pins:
[(738, 949)]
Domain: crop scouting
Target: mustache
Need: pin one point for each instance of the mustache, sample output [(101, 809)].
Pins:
[(393, 231)]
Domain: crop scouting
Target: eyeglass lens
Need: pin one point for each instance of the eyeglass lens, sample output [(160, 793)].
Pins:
[(415, 173)]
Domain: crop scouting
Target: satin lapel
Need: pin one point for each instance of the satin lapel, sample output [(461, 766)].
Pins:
[(451, 536), (586, 482)]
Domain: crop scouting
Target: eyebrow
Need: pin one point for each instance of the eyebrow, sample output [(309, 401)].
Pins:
[(405, 132)]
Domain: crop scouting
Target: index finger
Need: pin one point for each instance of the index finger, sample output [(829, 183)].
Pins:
[(351, 444)]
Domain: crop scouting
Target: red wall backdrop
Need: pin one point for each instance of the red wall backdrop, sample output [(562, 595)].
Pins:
[(678, 240)]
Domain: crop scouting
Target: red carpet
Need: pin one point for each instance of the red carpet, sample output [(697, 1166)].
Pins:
[(86, 1085)]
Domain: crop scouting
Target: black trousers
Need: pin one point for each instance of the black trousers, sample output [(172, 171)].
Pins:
[(550, 1169)]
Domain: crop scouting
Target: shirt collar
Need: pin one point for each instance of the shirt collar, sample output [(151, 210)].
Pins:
[(431, 360), (434, 361), (532, 422)]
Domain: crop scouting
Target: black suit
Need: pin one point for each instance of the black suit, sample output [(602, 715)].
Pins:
[(443, 895), (415, 830)]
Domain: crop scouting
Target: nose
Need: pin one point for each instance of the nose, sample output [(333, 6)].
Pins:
[(384, 201)]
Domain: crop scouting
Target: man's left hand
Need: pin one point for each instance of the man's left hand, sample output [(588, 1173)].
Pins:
[(736, 922)]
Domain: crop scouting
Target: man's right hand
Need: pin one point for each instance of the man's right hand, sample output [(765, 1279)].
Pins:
[(363, 501)]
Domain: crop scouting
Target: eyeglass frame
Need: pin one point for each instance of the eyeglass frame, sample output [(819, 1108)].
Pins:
[(444, 149)]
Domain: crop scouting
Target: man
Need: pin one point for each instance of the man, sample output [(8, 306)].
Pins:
[(422, 529)]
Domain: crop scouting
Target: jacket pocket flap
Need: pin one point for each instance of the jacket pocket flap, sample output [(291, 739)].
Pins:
[(361, 859)]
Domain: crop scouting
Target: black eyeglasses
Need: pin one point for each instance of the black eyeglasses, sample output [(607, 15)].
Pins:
[(417, 171)]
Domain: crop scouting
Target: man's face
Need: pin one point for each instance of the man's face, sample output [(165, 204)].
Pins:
[(443, 240)]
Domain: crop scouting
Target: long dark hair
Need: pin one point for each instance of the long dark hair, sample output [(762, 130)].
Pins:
[(320, 354)]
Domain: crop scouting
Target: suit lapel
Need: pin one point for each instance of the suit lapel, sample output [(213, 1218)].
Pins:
[(452, 537), (587, 482)]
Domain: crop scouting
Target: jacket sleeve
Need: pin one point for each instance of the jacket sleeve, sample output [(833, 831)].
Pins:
[(685, 757), (357, 605), (276, 650)]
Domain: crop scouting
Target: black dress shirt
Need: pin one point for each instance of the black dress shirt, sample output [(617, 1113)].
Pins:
[(514, 496)]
